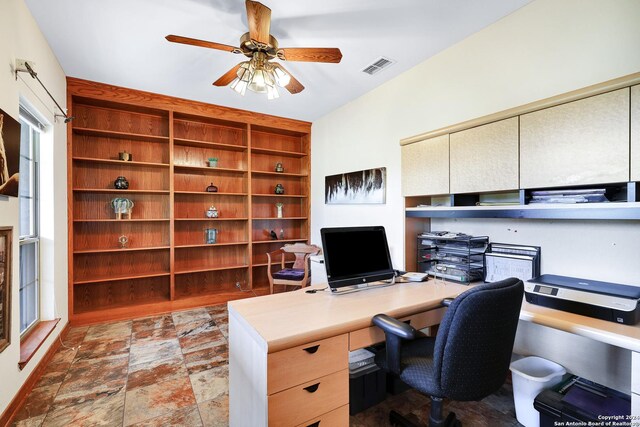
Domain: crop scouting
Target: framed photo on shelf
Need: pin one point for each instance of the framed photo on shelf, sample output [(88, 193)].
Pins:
[(5, 287)]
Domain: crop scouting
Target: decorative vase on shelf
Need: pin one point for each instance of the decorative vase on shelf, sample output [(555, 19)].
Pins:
[(213, 162), (212, 188), (210, 235), (121, 183), (122, 206), (212, 212), (279, 167), (279, 207), (279, 189)]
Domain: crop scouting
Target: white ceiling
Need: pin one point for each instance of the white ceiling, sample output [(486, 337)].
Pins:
[(121, 42)]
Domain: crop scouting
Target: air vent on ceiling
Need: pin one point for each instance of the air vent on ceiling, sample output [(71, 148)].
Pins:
[(377, 65)]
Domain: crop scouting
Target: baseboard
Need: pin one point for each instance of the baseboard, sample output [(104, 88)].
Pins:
[(18, 401)]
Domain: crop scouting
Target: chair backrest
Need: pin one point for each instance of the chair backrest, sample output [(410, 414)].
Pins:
[(475, 340), (302, 251)]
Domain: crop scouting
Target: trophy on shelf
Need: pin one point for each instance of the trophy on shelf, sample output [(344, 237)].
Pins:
[(210, 235), (125, 157), (279, 167), (212, 212), (212, 188), (279, 207), (279, 189), (124, 241)]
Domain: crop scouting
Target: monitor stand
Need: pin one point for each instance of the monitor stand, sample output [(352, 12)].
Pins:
[(356, 288)]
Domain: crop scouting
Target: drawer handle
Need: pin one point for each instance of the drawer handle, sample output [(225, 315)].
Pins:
[(312, 388), (312, 349), (408, 322), (316, 424)]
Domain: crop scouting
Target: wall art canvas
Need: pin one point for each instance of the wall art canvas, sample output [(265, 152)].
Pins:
[(9, 154), (361, 187), (5, 287)]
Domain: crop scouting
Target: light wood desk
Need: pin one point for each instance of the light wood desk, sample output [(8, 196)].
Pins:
[(288, 353)]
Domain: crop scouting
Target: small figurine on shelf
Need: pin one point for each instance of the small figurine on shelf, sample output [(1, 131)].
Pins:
[(212, 212), (125, 157), (212, 188), (279, 207), (122, 206), (121, 183), (123, 240), (279, 189), (279, 167), (210, 235), (273, 235), (213, 162), (282, 234)]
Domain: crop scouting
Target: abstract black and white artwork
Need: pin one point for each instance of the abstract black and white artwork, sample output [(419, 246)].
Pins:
[(9, 154), (361, 187)]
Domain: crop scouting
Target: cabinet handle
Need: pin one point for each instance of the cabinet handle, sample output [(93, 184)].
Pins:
[(408, 322), (312, 388), (312, 349), (316, 424)]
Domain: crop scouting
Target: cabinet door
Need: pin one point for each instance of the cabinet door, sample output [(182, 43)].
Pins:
[(581, 142), (635, 133), (485, 158), (425, 167)]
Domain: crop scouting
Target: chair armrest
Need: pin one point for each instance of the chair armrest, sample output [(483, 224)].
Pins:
[(393, 326), (447, 302), (394, 332)]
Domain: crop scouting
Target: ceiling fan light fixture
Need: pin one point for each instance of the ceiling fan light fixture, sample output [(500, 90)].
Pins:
[(282, 78)]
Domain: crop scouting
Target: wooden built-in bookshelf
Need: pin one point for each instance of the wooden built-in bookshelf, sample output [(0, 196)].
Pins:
[(167, 264)]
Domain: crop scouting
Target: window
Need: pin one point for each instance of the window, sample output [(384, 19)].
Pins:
[(29, 233)]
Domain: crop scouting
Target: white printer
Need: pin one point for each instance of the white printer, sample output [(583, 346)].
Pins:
[(603, 300)]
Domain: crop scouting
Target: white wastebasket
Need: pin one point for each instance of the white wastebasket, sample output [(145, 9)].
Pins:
[(530, 376)]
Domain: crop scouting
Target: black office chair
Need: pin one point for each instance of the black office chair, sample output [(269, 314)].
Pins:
[(469, 357)]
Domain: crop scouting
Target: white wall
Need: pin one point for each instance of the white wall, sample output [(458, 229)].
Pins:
[(21, 38), (546, 48)]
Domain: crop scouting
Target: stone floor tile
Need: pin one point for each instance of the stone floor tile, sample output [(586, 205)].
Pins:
[(188, 417), (215, 412), (105, 411), (207, 358), (30, 422), (75, 336), (210, 384), (148, 335), (181, 317), (117, 330), (158, 399), (38, 402), (100, 348), (164, 321), (198, 335), (146, 374), (154, 351)]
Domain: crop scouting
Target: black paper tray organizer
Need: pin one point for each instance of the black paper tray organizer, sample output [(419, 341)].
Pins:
[(452, 256)]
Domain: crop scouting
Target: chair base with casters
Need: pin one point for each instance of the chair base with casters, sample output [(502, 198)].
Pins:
[(470, 355), (298, 275)]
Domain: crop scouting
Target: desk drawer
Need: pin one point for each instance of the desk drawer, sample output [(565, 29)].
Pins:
[(309, 400), (336, 418), (372, 335), (288, 368)]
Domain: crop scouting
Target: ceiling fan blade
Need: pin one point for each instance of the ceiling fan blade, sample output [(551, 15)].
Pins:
[(310, 54), (228, 76), (294, 85), (202, 43), (259, 19)]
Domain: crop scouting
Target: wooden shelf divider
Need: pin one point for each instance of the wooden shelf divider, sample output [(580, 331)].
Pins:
[(167, 264)]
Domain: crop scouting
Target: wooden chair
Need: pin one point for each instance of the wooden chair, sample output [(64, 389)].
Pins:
[(298, 274)]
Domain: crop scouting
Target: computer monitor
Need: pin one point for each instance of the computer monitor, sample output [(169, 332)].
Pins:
[(355, 256)]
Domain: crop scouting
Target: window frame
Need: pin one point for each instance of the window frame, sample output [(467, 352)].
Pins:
[(35, 128)]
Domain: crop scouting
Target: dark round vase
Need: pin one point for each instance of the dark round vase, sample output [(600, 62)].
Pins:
[(121, 183)]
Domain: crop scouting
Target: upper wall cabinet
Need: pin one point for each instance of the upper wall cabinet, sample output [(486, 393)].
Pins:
[(581, 142), (425, 167), (485, 158), (635, 133)]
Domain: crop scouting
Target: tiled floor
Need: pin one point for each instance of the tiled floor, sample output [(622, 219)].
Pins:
[(171, 370)]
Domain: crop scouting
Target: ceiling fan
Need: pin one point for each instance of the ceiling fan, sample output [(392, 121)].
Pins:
[(259, 74)]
